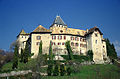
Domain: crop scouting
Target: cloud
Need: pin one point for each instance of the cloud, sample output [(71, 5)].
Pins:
[(117, 46)]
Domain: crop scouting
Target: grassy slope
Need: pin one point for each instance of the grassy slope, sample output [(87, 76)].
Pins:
[(93, 72), (86, 72)]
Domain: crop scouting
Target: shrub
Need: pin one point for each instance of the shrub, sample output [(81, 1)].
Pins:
[(90, 54), (62, 70), (69, 71), (50, 70)]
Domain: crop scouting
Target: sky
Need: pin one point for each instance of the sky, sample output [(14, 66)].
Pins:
[(80, 14)]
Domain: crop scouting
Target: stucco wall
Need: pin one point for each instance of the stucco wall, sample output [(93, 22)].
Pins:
[(45, 43)]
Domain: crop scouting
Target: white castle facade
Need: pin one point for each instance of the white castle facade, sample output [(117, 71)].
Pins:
[(80, 40)]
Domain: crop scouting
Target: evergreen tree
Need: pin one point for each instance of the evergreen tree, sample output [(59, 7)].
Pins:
[(50, 70), (68, 47), (62, 70), (56, 70), (26, 53), (22, 55), (90, 54), (50, 52), (40, 48), (111, 52), (15, 58), (69, 71)]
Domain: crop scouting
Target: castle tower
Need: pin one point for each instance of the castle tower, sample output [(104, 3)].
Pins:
[(22, 39), (94, 38), (58, 25)]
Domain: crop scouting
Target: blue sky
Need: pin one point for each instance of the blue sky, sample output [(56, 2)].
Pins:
[(27, 14)]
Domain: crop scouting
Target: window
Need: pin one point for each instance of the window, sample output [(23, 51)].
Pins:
[(38, 37), (72, 38), (103, 46), (37, 43), (80, 39), (96, 35), (96, 41), (53, 37), (84, 40), (52, 43), (72, 44), (22, 36), (75, 38), (63, 43), (76, 44), (64, 37), (59, 37), (59, 43), (61, 31), (81, 45)]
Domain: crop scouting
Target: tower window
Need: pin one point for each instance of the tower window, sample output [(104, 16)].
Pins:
[(38, 37), (22, 36), (76, 44), (96, 35), (96, 41), (72, 44)]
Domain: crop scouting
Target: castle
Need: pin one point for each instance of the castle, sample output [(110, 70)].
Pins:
[(80, 40)]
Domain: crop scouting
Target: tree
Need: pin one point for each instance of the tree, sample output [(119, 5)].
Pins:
[(40, 48), (111, 52), (69, 50), (50, 70), (90, 54), (15, 58), (26, 53), (69, 71), (22, 55), (62, 70), (56, 70), (50, 52), (13, 44)]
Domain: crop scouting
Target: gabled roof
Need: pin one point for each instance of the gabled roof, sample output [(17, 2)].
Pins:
[(90, 31), (41, 29), (59, 21)]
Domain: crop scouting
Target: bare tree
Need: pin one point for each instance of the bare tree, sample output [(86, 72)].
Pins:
[(13, 44)]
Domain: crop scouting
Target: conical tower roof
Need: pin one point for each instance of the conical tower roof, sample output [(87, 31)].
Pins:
[(22, 32), (59, 21)]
